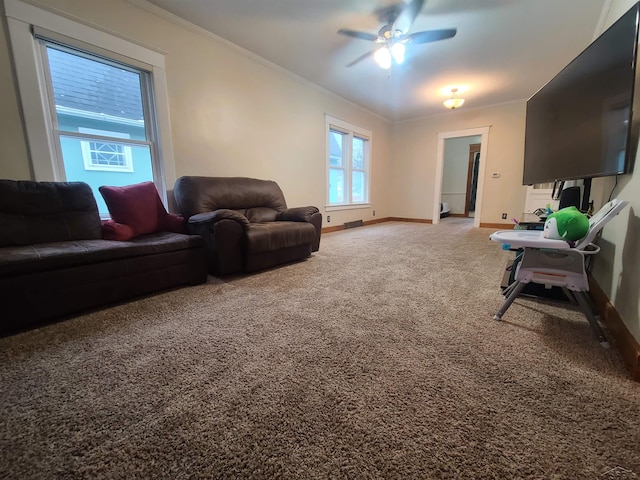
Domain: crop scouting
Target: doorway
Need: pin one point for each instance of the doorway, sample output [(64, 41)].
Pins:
[(483, 132)]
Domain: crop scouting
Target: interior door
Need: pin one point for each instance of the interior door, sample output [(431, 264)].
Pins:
[(472, 178)]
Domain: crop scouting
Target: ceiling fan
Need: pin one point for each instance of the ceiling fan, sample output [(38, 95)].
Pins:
[(394, 34)]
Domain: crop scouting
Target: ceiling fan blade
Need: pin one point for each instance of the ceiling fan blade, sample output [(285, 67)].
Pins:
[(431, 35), (407, 16), (361, 35), (361, 58)]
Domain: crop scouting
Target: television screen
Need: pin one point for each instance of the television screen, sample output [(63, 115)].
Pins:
[(579, 124)]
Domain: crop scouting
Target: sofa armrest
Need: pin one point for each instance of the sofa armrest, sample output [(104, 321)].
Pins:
[(298, 214), (207, 218)]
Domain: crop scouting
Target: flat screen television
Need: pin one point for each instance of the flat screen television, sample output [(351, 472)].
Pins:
[(580, 125)]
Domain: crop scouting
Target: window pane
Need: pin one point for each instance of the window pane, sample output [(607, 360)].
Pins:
[(336, 148), (105, 163), (93, 94), (336, 185), (357, 158), (357, 187)]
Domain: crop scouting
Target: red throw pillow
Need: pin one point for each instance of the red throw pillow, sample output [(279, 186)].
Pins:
[(116, 231), (136, 206), (174, 223)]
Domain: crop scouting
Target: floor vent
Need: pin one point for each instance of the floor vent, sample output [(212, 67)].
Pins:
[(355, 223)]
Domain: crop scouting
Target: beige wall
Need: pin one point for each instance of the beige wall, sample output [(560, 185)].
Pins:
[(415, 153), (616, 267)]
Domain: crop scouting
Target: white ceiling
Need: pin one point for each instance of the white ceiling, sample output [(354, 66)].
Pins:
[(504, 50)]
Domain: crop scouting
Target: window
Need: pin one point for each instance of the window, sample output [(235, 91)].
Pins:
[(98, 103), (95, 105), (348, 155), (106, 156)]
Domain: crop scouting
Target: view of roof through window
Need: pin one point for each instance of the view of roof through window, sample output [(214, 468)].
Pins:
[(88, 85)]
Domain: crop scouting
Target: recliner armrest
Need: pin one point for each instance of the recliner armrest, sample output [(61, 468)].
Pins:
[(202, 219), (222, 231), (298, 214)]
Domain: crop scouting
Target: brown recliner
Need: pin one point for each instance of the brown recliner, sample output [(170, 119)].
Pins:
[(245, 222)]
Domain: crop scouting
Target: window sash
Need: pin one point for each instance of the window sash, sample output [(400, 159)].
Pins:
[(146, 91), (79, 46), (101, 156), (349, 195)]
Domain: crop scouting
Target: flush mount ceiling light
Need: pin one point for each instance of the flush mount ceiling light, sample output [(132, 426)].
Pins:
[(454, 101)]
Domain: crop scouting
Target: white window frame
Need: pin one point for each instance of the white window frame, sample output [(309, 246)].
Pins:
[(350, 132), (46, 157), (87, 151)]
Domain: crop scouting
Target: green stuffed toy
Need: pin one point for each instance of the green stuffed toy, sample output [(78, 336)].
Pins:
[(568, 224)]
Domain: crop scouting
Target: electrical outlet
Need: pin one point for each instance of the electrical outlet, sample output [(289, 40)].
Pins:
[(329, 218), (504, 216), (374, 213)]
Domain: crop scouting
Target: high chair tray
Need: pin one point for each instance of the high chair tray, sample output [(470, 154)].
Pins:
[(527, 238)]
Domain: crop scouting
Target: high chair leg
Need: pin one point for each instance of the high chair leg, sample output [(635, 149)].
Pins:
[(515, 291)]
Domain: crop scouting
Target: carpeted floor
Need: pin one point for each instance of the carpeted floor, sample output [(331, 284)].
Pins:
[(375, 358)]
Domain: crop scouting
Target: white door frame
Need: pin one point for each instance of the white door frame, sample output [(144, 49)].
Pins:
[(437, 197)]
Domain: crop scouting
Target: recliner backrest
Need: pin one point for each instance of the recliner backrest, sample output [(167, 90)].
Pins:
[(258, 200)]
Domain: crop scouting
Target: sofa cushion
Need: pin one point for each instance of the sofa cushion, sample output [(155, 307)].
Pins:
[(270, 236), (40, 212), (49, 256), (139, 207)]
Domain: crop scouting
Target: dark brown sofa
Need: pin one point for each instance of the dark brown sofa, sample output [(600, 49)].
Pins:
[(54, 262), (245, 223)]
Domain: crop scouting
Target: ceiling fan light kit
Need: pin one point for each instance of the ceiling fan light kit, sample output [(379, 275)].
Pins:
[(453, 102), (383, 57), (397, 52), (393, 36)]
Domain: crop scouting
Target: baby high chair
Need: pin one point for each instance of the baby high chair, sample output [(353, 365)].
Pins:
[(557, 263)]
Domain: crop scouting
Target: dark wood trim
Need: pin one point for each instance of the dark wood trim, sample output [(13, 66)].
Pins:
[(414, 220), (377, 220), (623, 340), (499, 226), (337, 228), (458, 215)]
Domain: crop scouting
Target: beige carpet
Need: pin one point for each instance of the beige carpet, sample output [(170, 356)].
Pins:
[(375, 358)]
